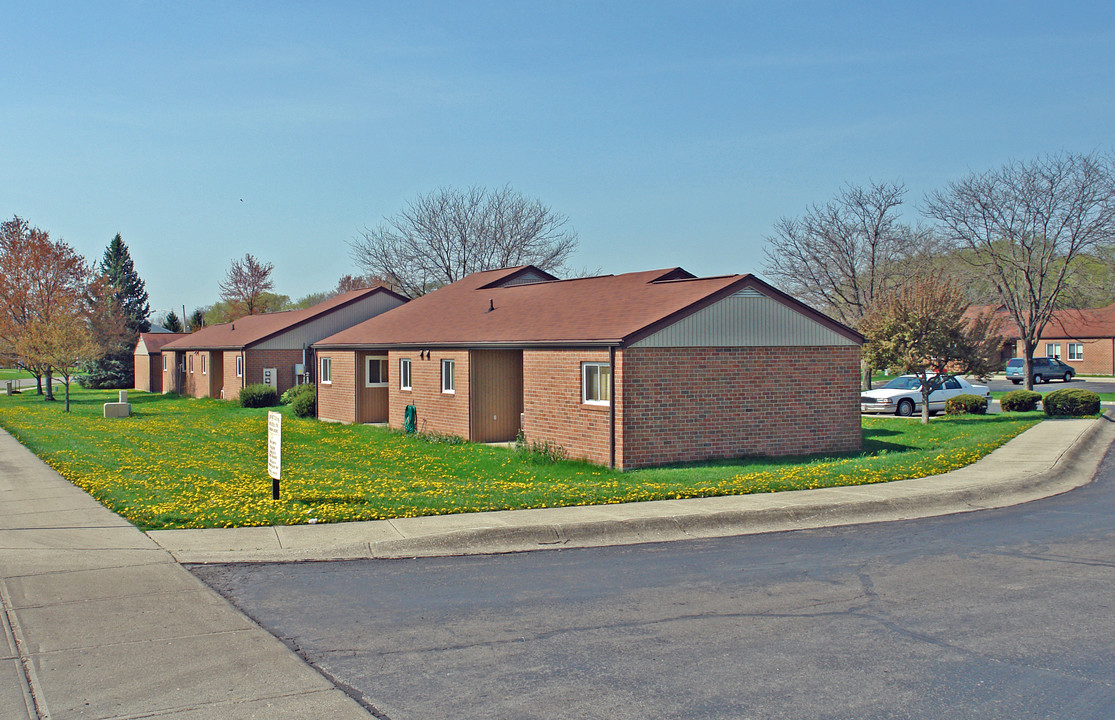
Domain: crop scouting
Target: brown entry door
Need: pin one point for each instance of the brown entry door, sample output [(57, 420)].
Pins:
[(496, 394)]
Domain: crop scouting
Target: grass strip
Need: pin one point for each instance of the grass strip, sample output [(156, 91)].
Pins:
[(189, 463)]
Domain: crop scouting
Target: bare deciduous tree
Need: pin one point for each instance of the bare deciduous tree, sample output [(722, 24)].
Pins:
[(1026, 227), (245, 283), (842, 256), (441, 237)]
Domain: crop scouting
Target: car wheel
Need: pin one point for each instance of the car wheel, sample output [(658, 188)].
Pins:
[(905, 408), (1037, 379), (1068, 377), (1016, 382)]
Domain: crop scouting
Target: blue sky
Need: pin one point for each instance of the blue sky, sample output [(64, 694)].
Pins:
[(669, 133)]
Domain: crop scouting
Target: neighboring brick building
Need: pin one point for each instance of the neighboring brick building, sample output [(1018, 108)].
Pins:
[(1085, 339), (703, 368), (273, 348), (149, 360)]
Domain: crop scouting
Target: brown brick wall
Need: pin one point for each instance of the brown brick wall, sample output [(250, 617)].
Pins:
[(144, 378), (337, 400), (438, 412), (552, 407), (232, 385), (169, 374), (690, 404), (282, 360), (1099, 354)]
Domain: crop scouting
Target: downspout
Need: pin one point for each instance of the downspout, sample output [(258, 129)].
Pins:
[(243, 370), (612, 407)]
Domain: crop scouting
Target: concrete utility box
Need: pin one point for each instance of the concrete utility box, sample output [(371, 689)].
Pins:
[(117, 410)]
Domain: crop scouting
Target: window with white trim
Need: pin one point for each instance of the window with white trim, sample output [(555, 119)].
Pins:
[(447, 380), (203, 364), (404, 374), (1053, 350), (326, 371), (239, 366), (1076, 351), (596, 383), (190, 360), (164, 363), (375, 371)]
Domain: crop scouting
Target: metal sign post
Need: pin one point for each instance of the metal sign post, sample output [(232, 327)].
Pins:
[(274, 451)]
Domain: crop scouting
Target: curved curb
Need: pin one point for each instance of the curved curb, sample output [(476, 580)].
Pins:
[(1007, 476)]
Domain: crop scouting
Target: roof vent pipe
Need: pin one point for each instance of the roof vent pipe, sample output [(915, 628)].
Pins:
[(491, 304)]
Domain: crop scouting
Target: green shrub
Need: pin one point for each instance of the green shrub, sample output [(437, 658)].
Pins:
[(1020, 401), (966, 405), (304, 404), (258, 395), (1071, 402), (289, 396)]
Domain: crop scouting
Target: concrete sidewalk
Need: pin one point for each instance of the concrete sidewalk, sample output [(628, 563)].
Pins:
[(100, 622), (1050, 458)]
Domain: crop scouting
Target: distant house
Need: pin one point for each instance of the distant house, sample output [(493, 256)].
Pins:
[(1085, 339), (273, 348), (149, 359), (626, 370)]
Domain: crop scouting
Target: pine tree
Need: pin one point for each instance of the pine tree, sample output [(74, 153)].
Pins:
[(117, 368), (171, 322), (132, 292)]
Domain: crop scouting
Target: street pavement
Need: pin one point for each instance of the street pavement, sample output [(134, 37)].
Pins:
[(100, 621)]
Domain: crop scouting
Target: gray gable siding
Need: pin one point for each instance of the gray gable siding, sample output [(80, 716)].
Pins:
[(746, 319), (333, 322)]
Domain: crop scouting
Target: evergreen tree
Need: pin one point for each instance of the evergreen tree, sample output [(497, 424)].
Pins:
[(117, 368), (131, 291), (172, 323)]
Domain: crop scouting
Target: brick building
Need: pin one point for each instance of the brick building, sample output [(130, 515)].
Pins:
[(272, 348), (1084, 338), (625, 370), (149, 360)]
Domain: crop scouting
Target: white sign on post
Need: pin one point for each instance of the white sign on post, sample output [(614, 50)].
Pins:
[(274, 450)]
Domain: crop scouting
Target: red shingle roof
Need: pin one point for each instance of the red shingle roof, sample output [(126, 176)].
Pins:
[(250, 329), (154, 341), (1067, 324), (487, 308)]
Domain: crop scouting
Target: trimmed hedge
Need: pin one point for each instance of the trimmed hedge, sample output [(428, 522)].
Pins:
[(1020, 401), (258, 395), (1071, 402), (966, 405), (304, 404)]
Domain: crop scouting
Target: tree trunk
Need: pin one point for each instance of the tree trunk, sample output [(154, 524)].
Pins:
[(38, 384), (49, 385), (865, 378)]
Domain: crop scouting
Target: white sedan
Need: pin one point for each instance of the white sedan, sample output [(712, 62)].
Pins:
[(902, 395)]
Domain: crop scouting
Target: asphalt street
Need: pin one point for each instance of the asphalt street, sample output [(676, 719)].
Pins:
[(994, 614)]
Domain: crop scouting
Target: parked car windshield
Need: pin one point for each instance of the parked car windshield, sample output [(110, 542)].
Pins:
[(903, 383)]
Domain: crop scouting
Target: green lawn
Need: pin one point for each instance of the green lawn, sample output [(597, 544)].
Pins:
[(14, 374), (180, 462)]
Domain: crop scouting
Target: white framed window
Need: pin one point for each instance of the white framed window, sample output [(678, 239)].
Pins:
[(1053, 350), (404, 374), (447, 380), (1076, 351), (190, 361), (596, 383), (326, 371), (239, 366), (375, 371), (164, 363), (203, 364)]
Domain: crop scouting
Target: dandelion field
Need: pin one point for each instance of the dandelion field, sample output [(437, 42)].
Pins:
[(189, 463)]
